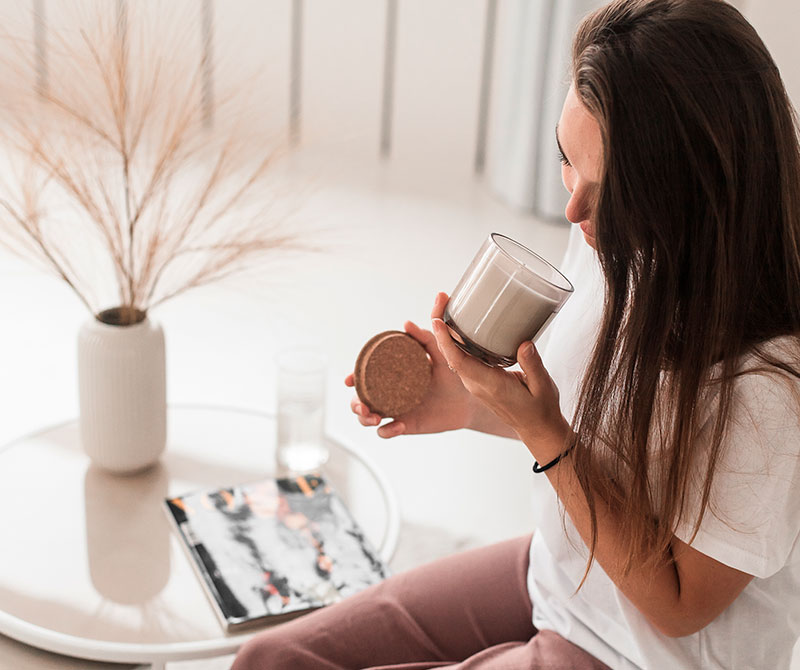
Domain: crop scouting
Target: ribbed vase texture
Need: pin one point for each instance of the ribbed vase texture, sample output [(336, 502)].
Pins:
[(123, 395)]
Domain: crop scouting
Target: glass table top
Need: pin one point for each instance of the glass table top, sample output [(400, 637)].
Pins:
[(90, 565)]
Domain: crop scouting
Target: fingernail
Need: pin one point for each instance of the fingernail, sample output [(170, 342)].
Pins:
[(392, 430), (527, 349)]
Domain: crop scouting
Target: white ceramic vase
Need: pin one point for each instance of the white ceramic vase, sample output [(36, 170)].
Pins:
[(122, 390)]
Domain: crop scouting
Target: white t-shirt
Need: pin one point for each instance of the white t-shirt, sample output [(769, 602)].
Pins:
[(756, 494)]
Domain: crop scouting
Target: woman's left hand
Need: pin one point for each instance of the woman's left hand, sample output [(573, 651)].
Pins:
[(525, 400)]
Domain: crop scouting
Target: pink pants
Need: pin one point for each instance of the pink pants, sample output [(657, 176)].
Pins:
[(466, 611)]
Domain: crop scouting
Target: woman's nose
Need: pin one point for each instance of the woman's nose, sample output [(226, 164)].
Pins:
[(576, 209)]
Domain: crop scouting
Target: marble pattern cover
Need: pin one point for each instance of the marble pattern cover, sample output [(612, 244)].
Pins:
[(272, 549)]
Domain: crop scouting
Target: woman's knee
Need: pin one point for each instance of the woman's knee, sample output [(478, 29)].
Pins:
[(267, 652), (249, 656)]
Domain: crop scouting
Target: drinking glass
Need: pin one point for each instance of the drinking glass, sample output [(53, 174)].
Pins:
[(506, 296), (302, 376)]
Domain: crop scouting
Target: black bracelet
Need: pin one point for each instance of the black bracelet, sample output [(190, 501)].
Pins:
[(541, 468)]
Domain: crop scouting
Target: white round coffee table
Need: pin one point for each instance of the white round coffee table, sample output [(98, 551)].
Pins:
[(90, 567)]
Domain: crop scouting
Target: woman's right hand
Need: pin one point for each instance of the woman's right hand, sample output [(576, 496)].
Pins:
[(447, 406)]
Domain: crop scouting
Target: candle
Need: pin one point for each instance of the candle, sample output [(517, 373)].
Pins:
[(507, 295)]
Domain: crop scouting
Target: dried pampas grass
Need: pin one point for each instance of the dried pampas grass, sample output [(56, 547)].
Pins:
[(115, 172)]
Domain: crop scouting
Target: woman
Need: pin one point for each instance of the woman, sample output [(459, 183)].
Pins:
[(670, 538)]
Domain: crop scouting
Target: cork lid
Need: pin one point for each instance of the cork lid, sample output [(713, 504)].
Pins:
[(392, 373)]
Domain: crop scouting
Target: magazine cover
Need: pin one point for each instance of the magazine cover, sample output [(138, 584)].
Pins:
[(274, 548)]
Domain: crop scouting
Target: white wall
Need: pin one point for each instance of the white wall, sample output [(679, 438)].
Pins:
[(778, 22), (436, 75), (437, 70)]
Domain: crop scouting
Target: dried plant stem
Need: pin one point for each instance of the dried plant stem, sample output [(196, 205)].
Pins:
[(120, 152), (62, 269)]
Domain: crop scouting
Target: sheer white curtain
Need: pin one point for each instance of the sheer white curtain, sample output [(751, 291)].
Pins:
[(533, 55)]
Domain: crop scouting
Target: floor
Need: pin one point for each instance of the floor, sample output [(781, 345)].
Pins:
[(390, 239)]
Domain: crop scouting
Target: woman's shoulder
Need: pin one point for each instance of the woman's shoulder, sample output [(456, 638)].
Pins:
[(772, 365), (754, 502), (766, 389), (784, 348)]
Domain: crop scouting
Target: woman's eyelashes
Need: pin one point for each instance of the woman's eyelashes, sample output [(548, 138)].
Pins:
[(564, 160)]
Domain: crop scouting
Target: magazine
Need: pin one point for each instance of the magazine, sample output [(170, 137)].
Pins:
[(274, 549)]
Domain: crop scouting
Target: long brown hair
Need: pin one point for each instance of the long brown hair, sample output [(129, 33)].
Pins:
[(697, 226)]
